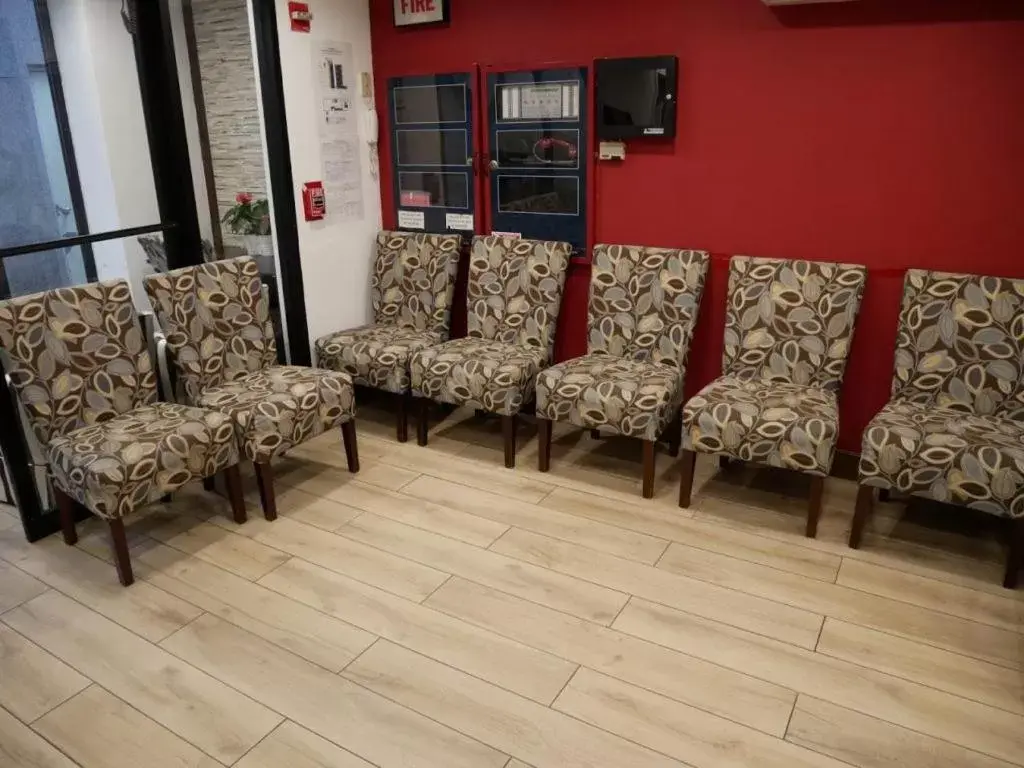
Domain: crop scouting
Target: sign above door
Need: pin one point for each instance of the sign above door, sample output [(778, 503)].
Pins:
[(411, 13)]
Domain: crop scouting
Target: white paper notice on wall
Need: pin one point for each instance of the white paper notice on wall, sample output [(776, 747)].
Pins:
[(411, 219), (336, 85), (459, 221)]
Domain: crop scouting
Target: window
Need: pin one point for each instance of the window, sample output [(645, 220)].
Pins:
[(37, 204)]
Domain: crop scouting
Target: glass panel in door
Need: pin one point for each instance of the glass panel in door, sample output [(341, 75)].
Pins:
[(432, 152), (537, 154)]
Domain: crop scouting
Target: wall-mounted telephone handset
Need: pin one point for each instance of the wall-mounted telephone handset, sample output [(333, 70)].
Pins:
[(371, 129)]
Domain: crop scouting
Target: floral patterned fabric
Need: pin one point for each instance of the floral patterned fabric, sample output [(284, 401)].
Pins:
[(768, 422), (947, 455), (77, 356), (644, 302), (513, 296), (515, 290), (954, 429), (375, 356), (631, 397), (788, 330), (216, 321), (643, 306), (135, 458), (81, 369), (961, 343), (277, 408), (791, 320), (219, 332), (413, 280), (499, 378)]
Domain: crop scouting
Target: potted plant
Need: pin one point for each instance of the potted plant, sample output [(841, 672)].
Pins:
[(250, 218)]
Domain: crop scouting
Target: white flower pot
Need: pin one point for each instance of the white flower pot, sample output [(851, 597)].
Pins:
[(261, 248)]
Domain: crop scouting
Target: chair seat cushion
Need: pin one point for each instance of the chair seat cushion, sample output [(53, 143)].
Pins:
[(376, 355), (976, 461), (495, 377), (279, 407), (631, 397), (768, 422), (122, 464)]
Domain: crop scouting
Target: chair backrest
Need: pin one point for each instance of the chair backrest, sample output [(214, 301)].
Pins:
[(216, 320), (413, 280), (515, 290), (644, 302), (77, 356), (791, 321), (960, 343)]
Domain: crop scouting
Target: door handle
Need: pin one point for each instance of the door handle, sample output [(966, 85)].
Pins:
[(494, 165)]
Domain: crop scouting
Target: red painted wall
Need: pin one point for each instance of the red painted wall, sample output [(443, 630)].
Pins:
[(883, 132)]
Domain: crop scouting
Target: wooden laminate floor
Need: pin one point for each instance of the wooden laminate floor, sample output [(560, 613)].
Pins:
[(439, 611)]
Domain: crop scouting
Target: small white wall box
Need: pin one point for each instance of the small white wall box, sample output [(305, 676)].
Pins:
[(611, 150)]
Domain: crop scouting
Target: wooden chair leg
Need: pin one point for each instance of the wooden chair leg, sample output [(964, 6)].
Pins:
[(119, 544), (544, 442), (1015, 559), (402, 424), (209, 484), (233, 482), (265, 482), (689, 460), (422, 420), (865, 501), (348, 436), (814, 505), (66, 507), (508, 429), (648, 483)]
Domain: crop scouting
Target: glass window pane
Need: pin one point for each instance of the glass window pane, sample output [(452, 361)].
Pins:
[(539, 147), (35, 201), (433, 190), (430, 104), (95, 59), (552, 195), (42, 271), (428, 147)]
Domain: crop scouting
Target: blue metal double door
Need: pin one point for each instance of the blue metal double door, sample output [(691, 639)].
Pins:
[(511, 159)]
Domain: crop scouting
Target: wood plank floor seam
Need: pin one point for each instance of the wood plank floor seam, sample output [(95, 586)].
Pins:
[(923, 735), (633, 682), (549, 707), (36, 724), (927, 685), (473, 616), (34, 732), (605, 586)]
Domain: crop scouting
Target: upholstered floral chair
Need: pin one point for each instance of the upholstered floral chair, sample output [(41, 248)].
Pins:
[(81, 369), (643, 306), (513, 298), (411, 289), (788, 330), (220, 336), (953, 429)]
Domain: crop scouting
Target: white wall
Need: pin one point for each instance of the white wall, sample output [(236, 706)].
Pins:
[(108, 130), (188, 111), (336, 257)]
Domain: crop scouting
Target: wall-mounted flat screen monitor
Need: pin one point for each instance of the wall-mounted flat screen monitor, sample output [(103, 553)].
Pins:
[(636, 97)]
